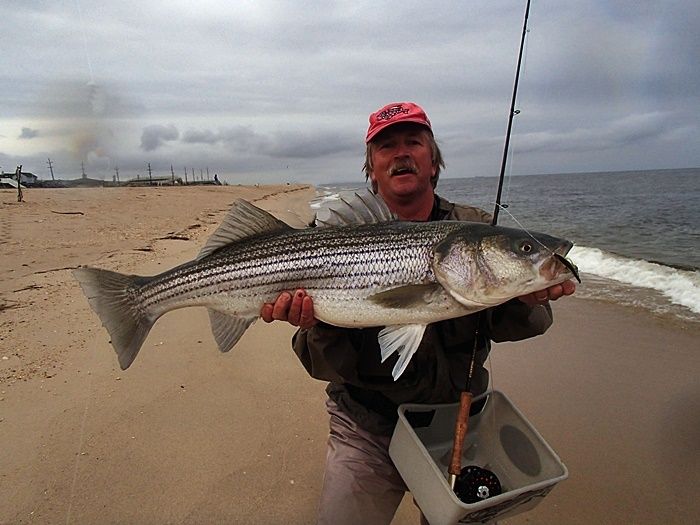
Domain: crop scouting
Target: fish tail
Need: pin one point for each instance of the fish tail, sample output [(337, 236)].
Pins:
[(115, 299)]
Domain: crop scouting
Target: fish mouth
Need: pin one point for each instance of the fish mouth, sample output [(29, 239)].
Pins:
[(559, 261), (569, 265)]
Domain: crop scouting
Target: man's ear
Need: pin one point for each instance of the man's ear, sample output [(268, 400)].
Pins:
[(373, 182)]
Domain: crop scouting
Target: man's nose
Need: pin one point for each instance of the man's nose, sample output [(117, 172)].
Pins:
[(402, 151)]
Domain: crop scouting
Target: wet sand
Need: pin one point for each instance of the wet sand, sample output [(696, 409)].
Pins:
[(188, 435)]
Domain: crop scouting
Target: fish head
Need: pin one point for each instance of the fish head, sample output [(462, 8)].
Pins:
[(482, 265)]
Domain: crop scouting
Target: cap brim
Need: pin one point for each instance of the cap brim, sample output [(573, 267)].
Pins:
[(375, 132)]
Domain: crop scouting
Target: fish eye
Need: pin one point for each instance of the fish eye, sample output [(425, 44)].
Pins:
[(526, 247)]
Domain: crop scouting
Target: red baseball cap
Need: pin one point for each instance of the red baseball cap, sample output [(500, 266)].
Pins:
[(393, 114)]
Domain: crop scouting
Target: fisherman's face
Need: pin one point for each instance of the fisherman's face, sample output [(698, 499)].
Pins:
[(402, 163)]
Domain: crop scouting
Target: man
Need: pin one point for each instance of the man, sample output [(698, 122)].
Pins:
[(361, 484)]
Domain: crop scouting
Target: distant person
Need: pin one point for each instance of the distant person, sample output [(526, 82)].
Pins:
[(361, 484), (216, 179)]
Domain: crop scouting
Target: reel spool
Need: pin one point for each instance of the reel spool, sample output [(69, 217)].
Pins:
[(475, 484)]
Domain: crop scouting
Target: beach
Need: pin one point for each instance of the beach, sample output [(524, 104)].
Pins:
[(190, 435)]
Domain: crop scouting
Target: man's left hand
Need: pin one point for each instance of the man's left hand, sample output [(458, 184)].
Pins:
[(549, 294)]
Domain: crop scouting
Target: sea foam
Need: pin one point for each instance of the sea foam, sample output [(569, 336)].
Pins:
[(681, 287)]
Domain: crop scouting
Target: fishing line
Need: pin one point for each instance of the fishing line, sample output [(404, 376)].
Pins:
[(562, 259), (523, 228), (90, 389), (78, 453), (81, 439)]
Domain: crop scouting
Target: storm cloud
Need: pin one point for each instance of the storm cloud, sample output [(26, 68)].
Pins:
[(28, 133), (155, 136)]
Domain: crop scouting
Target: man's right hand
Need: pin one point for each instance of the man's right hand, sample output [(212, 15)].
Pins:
[(297, 310)]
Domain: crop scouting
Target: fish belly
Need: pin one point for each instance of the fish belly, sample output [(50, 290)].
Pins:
[(361, 311)]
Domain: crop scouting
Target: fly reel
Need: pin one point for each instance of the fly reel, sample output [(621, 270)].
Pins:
[(475, 484)]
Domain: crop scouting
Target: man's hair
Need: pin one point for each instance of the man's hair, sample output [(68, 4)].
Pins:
[(436, 156)]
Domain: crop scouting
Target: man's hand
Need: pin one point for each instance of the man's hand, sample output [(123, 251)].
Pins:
[(297, 310), (549, 294)]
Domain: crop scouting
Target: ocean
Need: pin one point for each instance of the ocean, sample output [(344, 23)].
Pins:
[(636, 234)]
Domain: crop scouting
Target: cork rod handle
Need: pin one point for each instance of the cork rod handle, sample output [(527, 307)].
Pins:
[(461, 425)]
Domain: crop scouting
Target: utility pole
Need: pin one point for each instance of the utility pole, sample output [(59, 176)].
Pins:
[(51, 169), (185, 175), (172, 174), (150, 179), (18, 174), (208, 173), (116, 170)]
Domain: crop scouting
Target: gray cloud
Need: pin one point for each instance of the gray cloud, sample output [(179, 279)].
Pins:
[(206, 136), (28, 133), (309, 145), (630, 130), (155, 136), (280, 144)]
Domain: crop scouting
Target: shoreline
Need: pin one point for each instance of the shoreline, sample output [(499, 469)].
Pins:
[(189, 435)]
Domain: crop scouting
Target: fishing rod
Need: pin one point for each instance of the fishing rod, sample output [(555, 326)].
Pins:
[(465, 401), (511, 114)]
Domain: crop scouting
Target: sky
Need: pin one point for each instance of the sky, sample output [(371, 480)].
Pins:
[(262, 92)]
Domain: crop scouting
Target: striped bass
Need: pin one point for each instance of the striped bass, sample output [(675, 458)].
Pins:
[(361, 267)]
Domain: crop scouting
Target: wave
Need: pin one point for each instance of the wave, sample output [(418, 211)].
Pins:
[(681, 287), (326, 194)]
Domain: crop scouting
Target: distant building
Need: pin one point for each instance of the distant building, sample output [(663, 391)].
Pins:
[(7, 182), (25, 178), (154, 181), (83, 182)]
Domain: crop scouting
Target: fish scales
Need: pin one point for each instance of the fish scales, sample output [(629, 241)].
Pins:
[(323, 258)]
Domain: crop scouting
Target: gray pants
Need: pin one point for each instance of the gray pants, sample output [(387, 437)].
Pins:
[(361, 484)]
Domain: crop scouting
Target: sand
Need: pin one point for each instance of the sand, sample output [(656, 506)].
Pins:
[(188, 435)]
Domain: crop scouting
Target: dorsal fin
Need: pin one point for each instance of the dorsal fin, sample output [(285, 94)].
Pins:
[(243, 220), (359, 207)]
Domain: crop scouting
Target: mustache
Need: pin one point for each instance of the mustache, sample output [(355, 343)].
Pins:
[(402, 166)]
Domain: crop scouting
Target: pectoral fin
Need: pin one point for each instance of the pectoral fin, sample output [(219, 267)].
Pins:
[(403, 339), (228, 329), (409, 296)]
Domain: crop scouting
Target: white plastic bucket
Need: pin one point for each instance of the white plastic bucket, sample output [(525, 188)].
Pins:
[(499, 439)]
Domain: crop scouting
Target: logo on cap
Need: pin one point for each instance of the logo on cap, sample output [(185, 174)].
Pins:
[(389, 113)]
